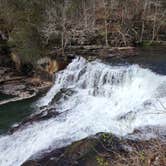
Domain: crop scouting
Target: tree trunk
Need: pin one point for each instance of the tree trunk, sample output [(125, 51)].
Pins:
[(105, 22), (154, 23)]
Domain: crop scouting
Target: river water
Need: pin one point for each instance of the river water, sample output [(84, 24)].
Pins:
[(115, 97), (13, 113)]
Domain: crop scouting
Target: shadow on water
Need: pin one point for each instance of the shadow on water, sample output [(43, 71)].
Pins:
[(15, 112), (153, 58), (5, 97)]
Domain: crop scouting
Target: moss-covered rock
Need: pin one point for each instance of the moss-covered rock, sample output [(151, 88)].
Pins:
[(105, 149)]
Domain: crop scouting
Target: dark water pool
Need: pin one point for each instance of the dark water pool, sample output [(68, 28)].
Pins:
[(15, 112), (153, 58), (5, 97)]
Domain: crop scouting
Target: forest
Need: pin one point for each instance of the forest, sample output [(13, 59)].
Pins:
[(33, 28)]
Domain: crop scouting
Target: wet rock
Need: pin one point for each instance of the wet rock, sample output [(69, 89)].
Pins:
[(44, 114), (83, 152), (49, 159), (106, 149), (148, 132), (63, 93), (31, 163)]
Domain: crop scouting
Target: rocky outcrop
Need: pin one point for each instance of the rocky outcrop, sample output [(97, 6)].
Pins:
[(46, 67), (20, 87), (16, 60), (105, 149), (51, 65), (43, 114)]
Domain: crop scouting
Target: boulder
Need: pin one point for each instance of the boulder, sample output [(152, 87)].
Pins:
[(105, 149)]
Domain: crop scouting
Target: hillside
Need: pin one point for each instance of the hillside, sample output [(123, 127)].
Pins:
[(31, 29)]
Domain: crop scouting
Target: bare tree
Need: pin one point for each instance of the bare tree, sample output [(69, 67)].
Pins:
[(143, 19), (55, 22), (156, 18), (105, 22)]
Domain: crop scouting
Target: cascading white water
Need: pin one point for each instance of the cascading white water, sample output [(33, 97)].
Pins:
[(106, 98)]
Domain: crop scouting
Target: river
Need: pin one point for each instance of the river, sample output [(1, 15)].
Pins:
[(113, 96)]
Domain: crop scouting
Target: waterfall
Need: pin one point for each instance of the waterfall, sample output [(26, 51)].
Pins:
[(104, 98)]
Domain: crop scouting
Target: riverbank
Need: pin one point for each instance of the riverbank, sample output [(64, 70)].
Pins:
[(20, 87)]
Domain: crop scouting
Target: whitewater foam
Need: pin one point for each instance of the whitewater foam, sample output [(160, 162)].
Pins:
[(105, 98)]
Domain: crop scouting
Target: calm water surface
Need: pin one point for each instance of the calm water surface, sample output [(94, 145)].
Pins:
[(15, 112)]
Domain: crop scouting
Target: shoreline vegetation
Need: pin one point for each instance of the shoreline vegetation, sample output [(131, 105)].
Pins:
[(30, 30)]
